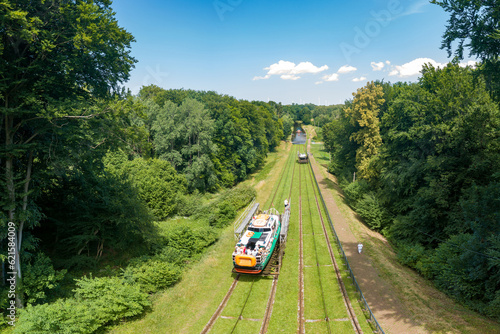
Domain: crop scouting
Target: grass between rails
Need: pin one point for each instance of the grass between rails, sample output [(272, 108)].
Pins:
[(335, 303)]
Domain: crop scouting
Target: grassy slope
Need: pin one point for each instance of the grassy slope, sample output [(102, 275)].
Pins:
[(436, 312)]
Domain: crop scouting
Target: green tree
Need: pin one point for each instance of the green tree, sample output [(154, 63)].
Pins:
[(51, 53), (156, 182), (336, 136), (183, 135), (474, 25), (443, 139), (364, 114)]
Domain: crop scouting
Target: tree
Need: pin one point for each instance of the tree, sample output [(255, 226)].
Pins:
[(443, 139), (474, 25), (52, 54), (364, 114), (183, 135)]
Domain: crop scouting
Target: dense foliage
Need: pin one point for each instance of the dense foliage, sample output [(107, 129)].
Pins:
[(432, 185), (214, 140), (97, 302), (473, 25)]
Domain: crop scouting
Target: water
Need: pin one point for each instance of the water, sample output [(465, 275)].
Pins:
[(299, 137)]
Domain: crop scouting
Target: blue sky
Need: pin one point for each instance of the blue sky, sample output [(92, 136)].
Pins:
[(285, 51)]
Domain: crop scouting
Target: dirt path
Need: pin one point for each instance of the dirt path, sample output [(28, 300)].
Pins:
[(401, 300)]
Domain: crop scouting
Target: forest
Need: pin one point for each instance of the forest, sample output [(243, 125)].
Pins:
[(420, 162)]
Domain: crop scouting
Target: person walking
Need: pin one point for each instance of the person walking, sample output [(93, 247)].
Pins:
[(360, 248)]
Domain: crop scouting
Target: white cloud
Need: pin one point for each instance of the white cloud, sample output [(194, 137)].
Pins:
[(289, 70), (289, 77), (346, 69), (470, 63), (413, 67), (377, 66), (359, 79), (331, 77), (308, 67)]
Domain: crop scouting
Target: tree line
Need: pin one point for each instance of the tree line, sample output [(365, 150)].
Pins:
[(420, 162)]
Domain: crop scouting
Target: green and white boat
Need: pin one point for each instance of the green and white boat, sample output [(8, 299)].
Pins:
[(257, 244)]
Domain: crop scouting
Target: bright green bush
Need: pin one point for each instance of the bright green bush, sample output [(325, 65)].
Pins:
[(156, 181), (97, 302), (39, 277), (153, 275), (222, 215)]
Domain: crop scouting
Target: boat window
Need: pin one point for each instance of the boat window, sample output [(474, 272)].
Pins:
[(259, 229)]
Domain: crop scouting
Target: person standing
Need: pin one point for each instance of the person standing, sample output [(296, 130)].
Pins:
[(360, 248)]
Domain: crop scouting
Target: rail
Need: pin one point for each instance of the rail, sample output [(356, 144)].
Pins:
[(378, 328), (242, 221)]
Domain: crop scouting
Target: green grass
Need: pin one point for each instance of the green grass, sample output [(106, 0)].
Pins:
[(320, 154)]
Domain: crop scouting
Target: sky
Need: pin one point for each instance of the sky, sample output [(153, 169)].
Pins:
[(317, 51)]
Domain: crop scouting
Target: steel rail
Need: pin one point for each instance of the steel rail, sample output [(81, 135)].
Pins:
[(350, 310)]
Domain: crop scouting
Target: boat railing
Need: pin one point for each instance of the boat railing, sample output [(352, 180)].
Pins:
[(272, 211), (244, 218)]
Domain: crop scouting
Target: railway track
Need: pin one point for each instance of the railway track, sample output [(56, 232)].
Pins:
[(267, 315), (264, 318), (300, 315), (349, 308), (323, 292)]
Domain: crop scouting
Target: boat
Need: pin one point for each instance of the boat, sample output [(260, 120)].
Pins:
[(255, 247), (303, 158)]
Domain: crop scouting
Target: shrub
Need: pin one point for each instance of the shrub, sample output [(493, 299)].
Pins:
[(224, 214), (193, 241), (410, 255), (372, 212), (355, 191), (153, 275), (39, 277), (97, 302), (188, 205)]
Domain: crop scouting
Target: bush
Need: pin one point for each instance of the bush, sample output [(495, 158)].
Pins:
[(39, 277), (372, 212), (223, 215), (153, 275), (194, 241), (188, 205), (410, 255), (355, 191), (97, 302), (156, 181)]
